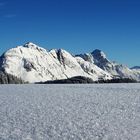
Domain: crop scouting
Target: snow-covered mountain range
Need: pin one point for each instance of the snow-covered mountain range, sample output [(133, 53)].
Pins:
[(35, 64), (136, 68), (116, 70)]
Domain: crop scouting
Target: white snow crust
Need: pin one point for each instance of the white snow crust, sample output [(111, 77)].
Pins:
[(70, 112)]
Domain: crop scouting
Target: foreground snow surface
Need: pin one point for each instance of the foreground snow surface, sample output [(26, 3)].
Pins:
[(70, 112)]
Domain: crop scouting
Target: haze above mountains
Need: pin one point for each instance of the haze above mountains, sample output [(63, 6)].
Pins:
[(33, 64)]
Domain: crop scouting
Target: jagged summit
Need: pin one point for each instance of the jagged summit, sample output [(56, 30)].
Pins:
[(97, 51), (98, 54), (33, 46), (30, 44)]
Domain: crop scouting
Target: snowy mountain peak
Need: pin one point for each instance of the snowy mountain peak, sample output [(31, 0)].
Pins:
[(33, 46), (100, 59), (30, 45), (98, 54)]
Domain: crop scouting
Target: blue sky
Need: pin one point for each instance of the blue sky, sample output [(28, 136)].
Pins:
[(75, 25)]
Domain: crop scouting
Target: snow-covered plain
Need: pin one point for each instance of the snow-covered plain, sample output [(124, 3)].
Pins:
[(70, 112)]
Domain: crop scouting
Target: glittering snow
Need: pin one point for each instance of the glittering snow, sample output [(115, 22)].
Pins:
[(70, 112)]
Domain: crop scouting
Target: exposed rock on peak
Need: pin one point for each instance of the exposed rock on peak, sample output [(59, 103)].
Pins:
[(98, 53), (30, 44), (33, 46), (87, 57), (99, 57)]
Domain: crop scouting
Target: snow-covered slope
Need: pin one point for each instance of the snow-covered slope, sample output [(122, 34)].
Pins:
[(93, 70), (117, 70), (136, 69), (34, 64)]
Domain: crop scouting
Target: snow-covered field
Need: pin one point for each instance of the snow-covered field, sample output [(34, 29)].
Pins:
[(70, 112)]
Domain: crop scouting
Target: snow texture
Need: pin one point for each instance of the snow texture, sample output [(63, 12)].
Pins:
[(70, 112)]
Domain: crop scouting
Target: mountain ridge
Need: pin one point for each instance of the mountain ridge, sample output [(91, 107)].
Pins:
[(33, 63), (136, 68)]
